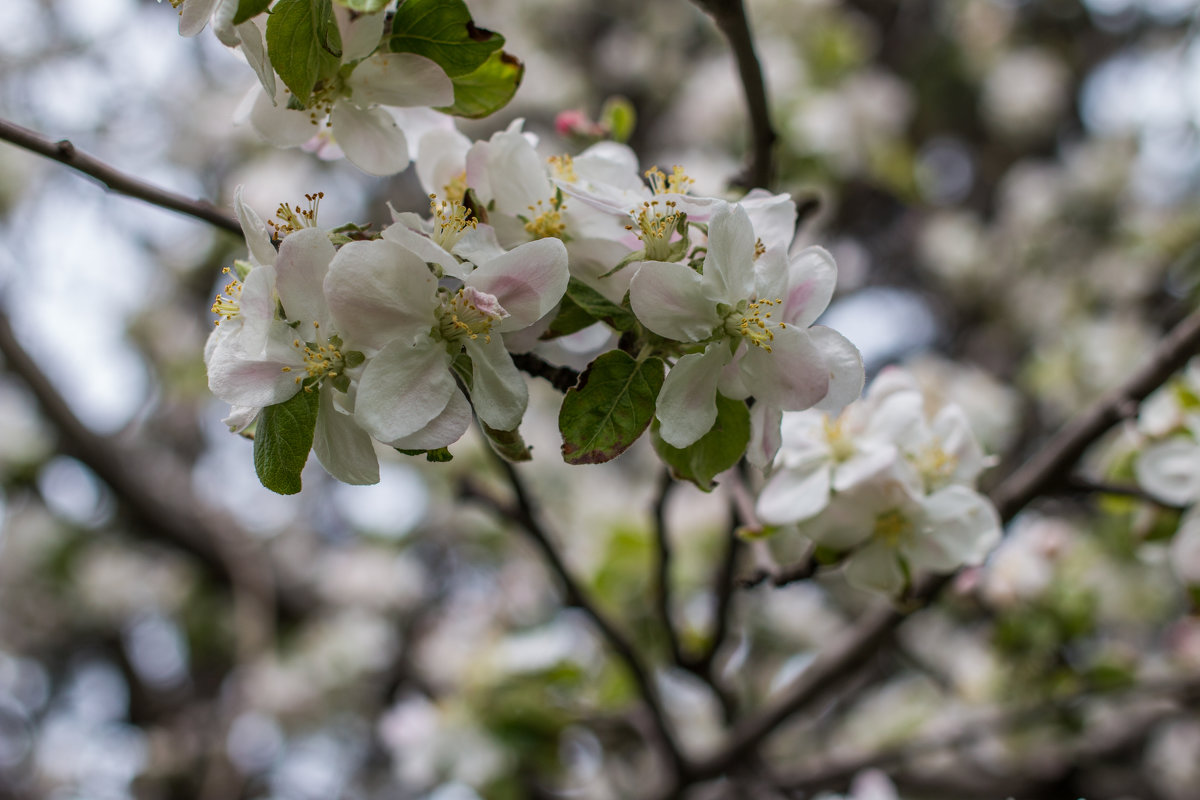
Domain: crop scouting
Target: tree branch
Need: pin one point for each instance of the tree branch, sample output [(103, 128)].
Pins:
[(525, 516), (662, 584), (730, 17), (1049, 468), (561, 378), (114, 180)]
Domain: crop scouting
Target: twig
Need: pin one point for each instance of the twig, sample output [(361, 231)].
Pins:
[(730, 17), (662, 586), (115, 180), (561, 378), (1079, 483), (1043, 473), (526, 518)]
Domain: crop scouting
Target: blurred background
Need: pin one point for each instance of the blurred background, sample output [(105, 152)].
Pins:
[(1011, 192)]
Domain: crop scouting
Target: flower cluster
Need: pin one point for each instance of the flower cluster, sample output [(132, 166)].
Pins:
[(391, 330), (884, 485)]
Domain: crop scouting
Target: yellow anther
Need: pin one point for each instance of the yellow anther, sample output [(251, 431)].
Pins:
[(228, 304), (294, 218), (456, 190), (451, 220), (545, 220), (892, 527), (677, 182), (564, 167)]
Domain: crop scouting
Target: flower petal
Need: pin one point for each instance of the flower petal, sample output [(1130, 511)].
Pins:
[(300, 271), (670, 299), (796, 493), (343, 448), (960, 527), (360, 32), (280, 125), (729, 265), (793, 376), (370, 139), (255, 50), (528, 281), (258, 241), (443, 430), (845, 365), (687, 404), (403, 388), (379, 291), (765, 435), (1170, 470), (875, 568), (399, 79), (194, 15), (805, 282), (497, 388)]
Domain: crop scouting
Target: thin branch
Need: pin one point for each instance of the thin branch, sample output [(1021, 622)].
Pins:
[(1043, 473), (730, 17), (114, 180), (662, 585), (1081, 484), (526, 518), (561, 378), (156, 492)]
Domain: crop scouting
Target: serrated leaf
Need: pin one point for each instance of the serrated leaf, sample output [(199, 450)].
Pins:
[(248, 9), (364, 6), (715, 451), (610, 407), (599, 306), (569, 319), (487, 89), (442, 31), (508, 444), (300, 35), (282, 439)]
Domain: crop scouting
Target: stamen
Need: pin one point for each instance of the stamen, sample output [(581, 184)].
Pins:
[(545, 219), (294, 218), (564, 167), (228, 304), (469, 314), (750, 320), (657, 222), (677, 182), (451, 220)]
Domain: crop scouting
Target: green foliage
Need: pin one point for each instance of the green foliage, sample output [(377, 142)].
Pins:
[(610, 407), (364, 6), (715, 451), (303, 44), (620, 117), (248, 9), (282, 440), (487, 89), (442, 31), (571, 318), (508, 444), (582, 306), (438, 456)]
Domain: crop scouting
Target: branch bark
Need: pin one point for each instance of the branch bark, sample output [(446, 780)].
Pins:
[(113, 179)]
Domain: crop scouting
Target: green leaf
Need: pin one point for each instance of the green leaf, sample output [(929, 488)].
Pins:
[(488, 88), (440, 455), (508, 444), (599, 306), (442, 31), (282, 440), (620, 117), (303, 44), (715, 451), (248, 9), (569, 319), (364, 6), (609, 408)]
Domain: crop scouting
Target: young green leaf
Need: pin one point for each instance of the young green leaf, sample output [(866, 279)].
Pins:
[(364, 6), (569, 319), (442, 31), (599, 306), (282, 439), (248, 9), (301, 39), (508, 444), (715, 451), (610, 407), (488, 88)]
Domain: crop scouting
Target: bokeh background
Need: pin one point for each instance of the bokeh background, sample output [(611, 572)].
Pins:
[(1011, 192)]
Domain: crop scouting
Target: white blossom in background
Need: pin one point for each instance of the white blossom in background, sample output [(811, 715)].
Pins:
[(885, 485)]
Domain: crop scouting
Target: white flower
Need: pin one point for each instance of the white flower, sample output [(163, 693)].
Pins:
[(752, 320), (305, 355), (388, 303), (353, 103), (1170, 470)]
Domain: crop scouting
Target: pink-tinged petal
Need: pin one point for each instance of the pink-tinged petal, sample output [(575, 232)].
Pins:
[(424, 248), (805, 283), (765, 435), (528, 281), (729, 265), (517, 174), (687, 404), (243, 381), (793, 376), (845, 365), (280, 125), (773, 217), (379, 291), (370, 139), (241, 417), (360, 33), (400, 79), (443, 430), (670, 299), (875, 568), (258, 241), (403, 388), (194, 16), (795, 493), (343, 448), (497, 387), (300, 271)]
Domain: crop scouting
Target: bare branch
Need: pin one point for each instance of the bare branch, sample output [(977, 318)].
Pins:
[(662, 585), (730, 17), (561, 378), (114, 180)]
